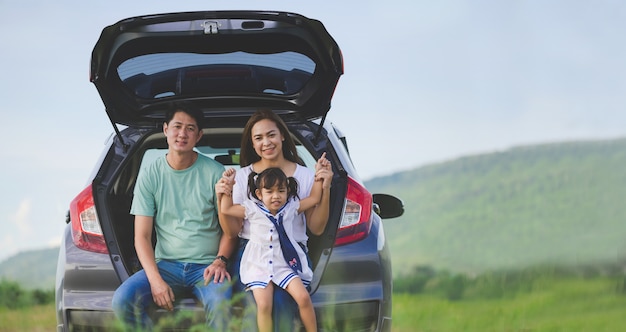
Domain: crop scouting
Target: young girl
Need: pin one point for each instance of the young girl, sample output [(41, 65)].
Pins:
[(272, 257), (267, 142)]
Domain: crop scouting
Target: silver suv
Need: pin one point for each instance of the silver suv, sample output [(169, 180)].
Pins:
[(228, 64)]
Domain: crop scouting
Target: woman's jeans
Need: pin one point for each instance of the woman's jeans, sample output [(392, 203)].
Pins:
[(284, 310), (133, 299)]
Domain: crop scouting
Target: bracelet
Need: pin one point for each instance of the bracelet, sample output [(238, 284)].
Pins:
[(223, 259)]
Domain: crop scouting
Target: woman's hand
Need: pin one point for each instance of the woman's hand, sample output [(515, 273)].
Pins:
[(317, 217), (324, 171)]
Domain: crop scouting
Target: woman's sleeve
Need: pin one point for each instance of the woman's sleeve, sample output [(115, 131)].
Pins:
[(241, 184), (305, 179)]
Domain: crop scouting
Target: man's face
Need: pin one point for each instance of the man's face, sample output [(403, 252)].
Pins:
[(182, 132)]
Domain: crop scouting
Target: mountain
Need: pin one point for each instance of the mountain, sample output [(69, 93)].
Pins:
[(35, 269), (553, 203)]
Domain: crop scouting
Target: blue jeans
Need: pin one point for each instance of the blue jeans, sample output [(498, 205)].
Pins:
[(133, 298), (284, 310)]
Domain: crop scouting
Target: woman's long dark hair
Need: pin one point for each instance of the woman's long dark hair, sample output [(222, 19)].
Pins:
[(269, 178), (249, 156)]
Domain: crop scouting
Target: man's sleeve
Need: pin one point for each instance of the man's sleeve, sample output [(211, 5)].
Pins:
[(143, 195)]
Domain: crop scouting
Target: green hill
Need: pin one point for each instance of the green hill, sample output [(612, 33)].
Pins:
[(34, 269), (562, 203)]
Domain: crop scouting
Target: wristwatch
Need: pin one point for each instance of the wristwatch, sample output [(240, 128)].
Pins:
[(223, 259)]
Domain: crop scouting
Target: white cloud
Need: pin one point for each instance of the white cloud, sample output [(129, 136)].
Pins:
[(21, 217)]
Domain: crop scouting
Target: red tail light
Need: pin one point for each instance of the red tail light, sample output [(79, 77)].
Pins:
[(86, 231), (355, 222)]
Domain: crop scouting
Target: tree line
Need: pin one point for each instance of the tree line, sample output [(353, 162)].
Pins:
[(13, 296), (499, 284)]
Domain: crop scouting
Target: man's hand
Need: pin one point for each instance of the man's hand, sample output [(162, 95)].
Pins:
[(162, 294), (216, 272)]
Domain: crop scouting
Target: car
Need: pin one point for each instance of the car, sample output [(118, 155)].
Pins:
[(228, 64)]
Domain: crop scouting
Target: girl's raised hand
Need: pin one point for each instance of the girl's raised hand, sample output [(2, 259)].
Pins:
[(226, 183), (229, 174)]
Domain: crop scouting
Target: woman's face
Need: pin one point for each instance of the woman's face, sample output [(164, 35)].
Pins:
[(267, 140)]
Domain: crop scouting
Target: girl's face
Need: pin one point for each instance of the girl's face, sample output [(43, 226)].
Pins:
[(267, 140), (273, 198)]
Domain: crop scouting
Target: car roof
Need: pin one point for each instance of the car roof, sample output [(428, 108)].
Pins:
[(226, 63)]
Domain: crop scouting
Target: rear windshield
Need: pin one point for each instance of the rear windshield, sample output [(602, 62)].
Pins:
[(163, 75), (228, 157)]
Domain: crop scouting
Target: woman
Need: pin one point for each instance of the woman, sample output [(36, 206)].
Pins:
[(266, 143)]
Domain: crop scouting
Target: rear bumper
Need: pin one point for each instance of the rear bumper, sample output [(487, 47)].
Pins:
[(354, 293), (78, 320), (85, 283)]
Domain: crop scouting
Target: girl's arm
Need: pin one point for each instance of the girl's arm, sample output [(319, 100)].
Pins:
[(313, 199), (224, 187), (227, 208), (230, 209)]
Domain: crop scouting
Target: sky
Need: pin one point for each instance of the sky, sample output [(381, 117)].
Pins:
[(425, 82)]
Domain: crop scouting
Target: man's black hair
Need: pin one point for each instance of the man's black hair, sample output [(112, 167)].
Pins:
[(193, 112)]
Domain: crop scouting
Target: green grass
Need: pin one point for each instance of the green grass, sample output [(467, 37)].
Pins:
[(559, 304), (554, 304), (32, 319)]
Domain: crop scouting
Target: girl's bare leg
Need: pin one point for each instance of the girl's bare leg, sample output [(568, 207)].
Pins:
[(296, 289), (264, 301)]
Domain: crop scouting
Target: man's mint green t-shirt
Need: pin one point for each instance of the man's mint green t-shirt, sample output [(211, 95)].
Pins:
[(184, 206)]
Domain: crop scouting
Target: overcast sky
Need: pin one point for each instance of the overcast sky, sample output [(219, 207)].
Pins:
[(424, 82)]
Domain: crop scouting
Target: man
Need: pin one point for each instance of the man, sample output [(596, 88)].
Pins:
[(176, 196)]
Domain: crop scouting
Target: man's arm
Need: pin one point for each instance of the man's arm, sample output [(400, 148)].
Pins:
[(162, 293), (217, 271)]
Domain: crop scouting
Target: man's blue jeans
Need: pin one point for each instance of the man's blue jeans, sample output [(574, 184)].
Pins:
[(133, 299)]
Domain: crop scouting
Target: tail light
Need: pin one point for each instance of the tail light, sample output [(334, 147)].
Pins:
[(355, 223), (86, 231)]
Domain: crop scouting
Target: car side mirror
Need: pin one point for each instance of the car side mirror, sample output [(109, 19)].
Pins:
[(387, 206)]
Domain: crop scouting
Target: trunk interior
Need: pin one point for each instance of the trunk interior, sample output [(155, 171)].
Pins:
[(223, 146)]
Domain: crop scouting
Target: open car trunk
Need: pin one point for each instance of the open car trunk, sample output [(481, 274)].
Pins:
[(140, 147)]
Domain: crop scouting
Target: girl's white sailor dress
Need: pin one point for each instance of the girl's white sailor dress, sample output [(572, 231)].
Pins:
[(262, 259)]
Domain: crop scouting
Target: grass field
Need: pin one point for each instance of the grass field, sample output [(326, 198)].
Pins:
[(33, 319), (567, 304)]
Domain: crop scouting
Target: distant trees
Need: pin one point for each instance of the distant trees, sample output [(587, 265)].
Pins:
[(503, 283), (12, 296), (425, 279)]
